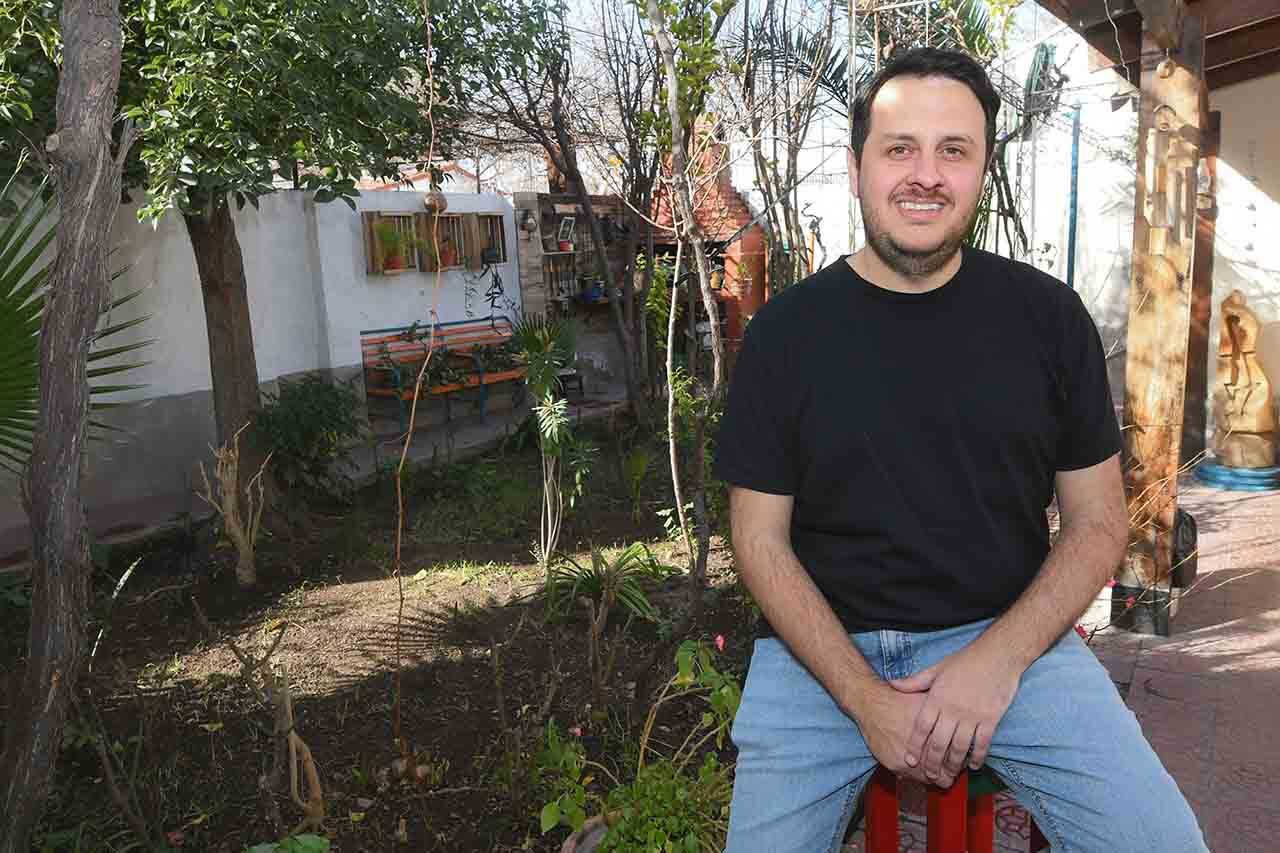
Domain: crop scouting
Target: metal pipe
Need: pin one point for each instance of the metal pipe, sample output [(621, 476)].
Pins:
[(890, 7), (852, 96), (1075, 186)]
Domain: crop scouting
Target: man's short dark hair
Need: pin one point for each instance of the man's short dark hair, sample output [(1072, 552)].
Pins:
[(927, 62)]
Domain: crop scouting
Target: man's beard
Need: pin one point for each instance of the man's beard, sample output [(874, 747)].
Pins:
[(915, 263)]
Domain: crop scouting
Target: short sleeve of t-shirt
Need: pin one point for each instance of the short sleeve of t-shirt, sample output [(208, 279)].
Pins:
[(1089, 431), (754, 448)]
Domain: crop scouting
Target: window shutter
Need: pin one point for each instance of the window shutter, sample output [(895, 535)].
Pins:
[(423, 226), (372, 245), (472, 241)]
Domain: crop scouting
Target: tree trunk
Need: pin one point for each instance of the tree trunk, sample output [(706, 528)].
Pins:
[(88, 183), (232, 362), (687, 227), (643, 344), (568, 159)]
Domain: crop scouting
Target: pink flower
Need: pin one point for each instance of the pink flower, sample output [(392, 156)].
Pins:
[(720, 642), (176, 838), (1129, 602), (576, 731), (1082, 632), (1111, 583)]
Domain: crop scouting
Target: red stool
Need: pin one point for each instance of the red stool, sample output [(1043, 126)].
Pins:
[(960, 818)]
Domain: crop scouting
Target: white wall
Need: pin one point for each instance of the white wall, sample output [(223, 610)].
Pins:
[(1247, 255), (281, 275), (1246, 251), (309, 295), (309, 298), (356, 301)]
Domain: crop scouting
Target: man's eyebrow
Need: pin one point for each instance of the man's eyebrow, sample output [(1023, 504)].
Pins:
[(911, 137)]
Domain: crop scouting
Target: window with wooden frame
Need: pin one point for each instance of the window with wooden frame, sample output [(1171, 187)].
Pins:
[(395, 242), (452, 242), (493, 240), (390, 242)]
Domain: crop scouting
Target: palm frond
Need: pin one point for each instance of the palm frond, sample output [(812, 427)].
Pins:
[(25, 236)]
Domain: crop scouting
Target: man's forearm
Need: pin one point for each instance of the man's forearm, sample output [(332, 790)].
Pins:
[(1080, 562), (800, 614)]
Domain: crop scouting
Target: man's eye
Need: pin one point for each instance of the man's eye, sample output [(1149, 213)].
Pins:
[(953, 152), (898, 150)]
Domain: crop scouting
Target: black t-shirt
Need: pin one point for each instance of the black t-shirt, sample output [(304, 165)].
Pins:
[(919, 433)]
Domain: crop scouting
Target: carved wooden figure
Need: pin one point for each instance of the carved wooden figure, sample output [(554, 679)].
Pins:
[(1243, 403), (1172, 111)]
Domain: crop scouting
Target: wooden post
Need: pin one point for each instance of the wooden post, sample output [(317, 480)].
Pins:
[(1195, 422), (1164, 231)]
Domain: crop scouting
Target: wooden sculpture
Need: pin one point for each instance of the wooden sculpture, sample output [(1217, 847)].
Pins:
[(1243, 404)]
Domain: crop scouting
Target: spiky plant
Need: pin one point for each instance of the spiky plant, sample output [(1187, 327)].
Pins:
[(24, 235), (599, 586), (26, 231), (544, 347)]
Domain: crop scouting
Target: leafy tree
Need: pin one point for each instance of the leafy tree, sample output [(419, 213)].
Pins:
[(235, 99), (529, 86)]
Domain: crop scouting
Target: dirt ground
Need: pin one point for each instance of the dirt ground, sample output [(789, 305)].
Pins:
[(195, 740)]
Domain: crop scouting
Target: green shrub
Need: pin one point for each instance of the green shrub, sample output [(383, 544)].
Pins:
[(475, 501), (294, 844), (665, 809), (560, 765), (607, 578), (308, 428)]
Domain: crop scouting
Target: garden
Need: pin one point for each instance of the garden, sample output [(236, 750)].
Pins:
[(477, 701)]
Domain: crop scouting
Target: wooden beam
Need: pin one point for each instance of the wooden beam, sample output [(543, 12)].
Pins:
[(1217, 16), (1221, 16), (1239, 72), (1195, 421), (1086, 14), (1169, 130), (1243, 43), (1242, 32), (1161, 21), (1232, 57)]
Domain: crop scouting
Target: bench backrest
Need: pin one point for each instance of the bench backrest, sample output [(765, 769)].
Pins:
[(410, 342)]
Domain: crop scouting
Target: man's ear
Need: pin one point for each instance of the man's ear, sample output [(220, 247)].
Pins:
[(853, 170)]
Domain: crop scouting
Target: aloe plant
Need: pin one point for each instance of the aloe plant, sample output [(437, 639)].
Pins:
[(26, 230)]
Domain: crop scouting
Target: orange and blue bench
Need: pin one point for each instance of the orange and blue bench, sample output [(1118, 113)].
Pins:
[(393, 357)]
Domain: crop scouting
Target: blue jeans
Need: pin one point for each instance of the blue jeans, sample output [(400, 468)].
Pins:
[(1068, 748)]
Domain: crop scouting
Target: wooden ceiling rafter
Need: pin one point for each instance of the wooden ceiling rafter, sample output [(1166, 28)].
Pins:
[(1242, 37)]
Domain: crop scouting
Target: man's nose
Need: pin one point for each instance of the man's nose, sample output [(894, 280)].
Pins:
[(925, 172)]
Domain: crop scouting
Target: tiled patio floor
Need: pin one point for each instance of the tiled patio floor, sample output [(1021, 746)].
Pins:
[(1208, 696)]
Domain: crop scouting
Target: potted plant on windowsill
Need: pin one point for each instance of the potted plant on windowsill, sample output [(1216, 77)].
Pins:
[(448, 254), (393, 244)]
